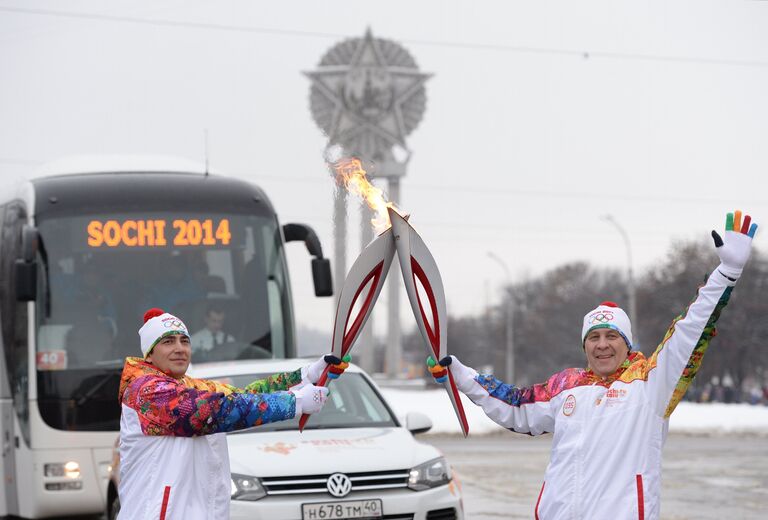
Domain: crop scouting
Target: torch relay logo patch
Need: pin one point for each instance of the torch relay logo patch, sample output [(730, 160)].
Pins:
[(570, 405)]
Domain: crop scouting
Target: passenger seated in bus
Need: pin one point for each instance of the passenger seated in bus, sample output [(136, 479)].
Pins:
[(179, 282), (213, 335), (88, 342), (83, 291)]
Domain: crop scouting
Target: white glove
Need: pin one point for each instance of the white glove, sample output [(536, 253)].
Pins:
[(735, 248), (309, 398), (463, 375), (310, 374)]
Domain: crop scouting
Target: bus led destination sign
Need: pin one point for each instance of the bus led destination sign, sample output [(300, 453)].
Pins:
[(158, 233)]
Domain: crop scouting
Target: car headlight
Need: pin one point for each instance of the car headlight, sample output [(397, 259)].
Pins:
[(431, 474), (246, 488)]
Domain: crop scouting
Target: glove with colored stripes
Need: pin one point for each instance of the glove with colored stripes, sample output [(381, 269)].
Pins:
[(463, 375), (311, 373), (338, 366), (735, 247)]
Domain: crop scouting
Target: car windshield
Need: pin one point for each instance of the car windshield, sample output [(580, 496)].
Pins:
[(352, 403)]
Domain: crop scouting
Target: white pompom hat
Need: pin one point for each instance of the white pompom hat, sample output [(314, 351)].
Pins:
[(157, 325), (608, 315)]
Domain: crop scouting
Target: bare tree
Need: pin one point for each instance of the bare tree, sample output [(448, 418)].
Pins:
[(549, 312)]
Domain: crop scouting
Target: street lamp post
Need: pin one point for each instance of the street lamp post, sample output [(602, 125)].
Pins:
[(509, 311), (630, 279)]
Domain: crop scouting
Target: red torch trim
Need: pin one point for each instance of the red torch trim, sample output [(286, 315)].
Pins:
[(434, 335), (351, 334)]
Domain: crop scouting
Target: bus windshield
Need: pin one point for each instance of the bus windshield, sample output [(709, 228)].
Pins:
[(222, 274)]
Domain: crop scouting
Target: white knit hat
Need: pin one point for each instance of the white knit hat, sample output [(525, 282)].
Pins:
[(157, 325), (608, 315)]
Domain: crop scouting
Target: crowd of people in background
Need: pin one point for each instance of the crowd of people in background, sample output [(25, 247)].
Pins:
[(725, 391)]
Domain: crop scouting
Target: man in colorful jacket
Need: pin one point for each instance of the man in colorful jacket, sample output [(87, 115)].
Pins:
[(611, 419), (174, 462)]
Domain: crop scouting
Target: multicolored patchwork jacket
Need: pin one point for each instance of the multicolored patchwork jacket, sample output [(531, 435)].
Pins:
[(608, 433), (174, 462)]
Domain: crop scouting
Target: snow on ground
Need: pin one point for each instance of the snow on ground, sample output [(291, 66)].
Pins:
[(695, 418)]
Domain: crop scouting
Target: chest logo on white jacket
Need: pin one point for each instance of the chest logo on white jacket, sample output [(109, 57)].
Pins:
[(570, 405), (615, 396)]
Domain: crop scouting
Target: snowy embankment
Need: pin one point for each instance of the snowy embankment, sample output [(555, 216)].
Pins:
[(694, 418)]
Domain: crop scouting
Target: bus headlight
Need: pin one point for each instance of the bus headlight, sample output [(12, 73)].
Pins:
[(69, 469), (244, 487), (431, 474)]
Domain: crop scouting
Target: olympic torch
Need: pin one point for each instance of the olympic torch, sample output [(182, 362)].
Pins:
[(419, 266), (363, 284)]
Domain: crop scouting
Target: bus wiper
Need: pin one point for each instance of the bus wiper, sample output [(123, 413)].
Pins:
[(95, 388), (110, 363)]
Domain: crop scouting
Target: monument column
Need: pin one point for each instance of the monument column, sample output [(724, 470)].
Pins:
[(367, 95)]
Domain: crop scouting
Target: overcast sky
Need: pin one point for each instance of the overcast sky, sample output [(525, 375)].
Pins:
[(541, 117)]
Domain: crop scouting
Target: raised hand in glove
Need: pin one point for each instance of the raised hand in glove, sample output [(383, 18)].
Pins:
[(463, 375), (735, 247), (311, 373), (309, 398)]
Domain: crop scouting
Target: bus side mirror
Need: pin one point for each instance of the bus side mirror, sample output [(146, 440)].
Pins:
[(26, 266), (26, 281), (321, 275), (321, 267)]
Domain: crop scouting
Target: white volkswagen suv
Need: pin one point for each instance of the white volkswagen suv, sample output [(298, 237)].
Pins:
[(354, 459)]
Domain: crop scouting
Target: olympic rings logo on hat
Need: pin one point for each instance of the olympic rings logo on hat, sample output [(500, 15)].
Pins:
[(175, 323), (601, 317)]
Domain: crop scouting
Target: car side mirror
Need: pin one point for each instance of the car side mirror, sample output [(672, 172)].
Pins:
[(417, 422)]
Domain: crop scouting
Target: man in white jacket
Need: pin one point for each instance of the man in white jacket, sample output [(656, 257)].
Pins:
[(610, 420), (174, 462)]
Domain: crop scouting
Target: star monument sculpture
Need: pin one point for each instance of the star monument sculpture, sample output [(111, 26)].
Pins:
[(367, 95)]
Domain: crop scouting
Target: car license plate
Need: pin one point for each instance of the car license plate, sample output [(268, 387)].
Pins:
[(342, 510)]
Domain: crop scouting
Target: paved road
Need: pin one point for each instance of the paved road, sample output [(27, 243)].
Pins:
[(703, 478)]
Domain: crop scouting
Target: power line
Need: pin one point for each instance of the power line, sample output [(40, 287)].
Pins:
[(470, 189), (495, 190), (448, 44), (171, 23)]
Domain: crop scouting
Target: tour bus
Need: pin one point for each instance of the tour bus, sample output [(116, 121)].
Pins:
[(85, 250)]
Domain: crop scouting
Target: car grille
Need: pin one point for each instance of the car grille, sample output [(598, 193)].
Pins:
[(367, 481), (442, 514)]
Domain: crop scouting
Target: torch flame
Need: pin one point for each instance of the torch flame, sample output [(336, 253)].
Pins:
[(350, 172)]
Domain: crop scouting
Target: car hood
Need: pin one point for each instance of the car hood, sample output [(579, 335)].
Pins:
[(314, 452)]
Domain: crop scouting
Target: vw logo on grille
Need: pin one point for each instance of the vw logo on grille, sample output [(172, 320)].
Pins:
[(339, 485)]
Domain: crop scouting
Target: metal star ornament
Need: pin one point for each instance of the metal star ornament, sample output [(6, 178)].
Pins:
[(367, 95)]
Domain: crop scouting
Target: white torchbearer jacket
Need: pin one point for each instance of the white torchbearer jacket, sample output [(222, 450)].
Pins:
[(174, 463), (608, 433)]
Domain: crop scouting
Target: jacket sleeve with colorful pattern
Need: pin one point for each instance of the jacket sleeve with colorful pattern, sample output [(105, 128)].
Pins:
[(190, 407), (668, 372), (678, 357)]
